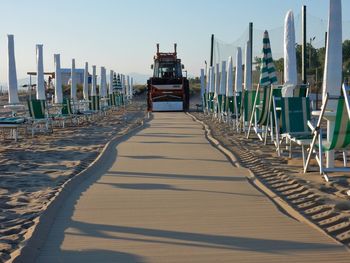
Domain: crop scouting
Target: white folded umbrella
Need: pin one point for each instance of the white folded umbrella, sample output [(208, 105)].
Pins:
[(111, 81), (86, 82), (40, 82), (202, 83), (131, 87), (290, 61), (333, 62), (58, 80), (73, 86), (217, 79), (103, 90), (223, 74), (93, 86), (229, 83), (12, 74), (238, 78), (247, 67)]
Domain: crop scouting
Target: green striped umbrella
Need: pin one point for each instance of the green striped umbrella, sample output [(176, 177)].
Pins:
[(268, 70)]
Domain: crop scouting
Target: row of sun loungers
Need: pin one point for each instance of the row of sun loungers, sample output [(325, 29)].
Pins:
[(287, 121), (41, 116)]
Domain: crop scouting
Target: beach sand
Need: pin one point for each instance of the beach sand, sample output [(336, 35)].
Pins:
[(33, 169), (326, 204)]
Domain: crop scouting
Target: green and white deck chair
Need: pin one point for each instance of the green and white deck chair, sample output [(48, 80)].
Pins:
[(13, 124), (40, 121), (235, 108), (94, 104), (248, 99), (291, 122), (338, 140), (211, 102), (112, 100)]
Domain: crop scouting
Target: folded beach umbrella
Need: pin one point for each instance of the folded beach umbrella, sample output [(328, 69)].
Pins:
[(267, 70), (93, 85), (131, 86), (58, 80), (73, 86), (202, 85), (247, 67), (333, 61), (12, 74), (222, 88), (103, 89), (110, 82), (238, 78), (86, 82), (290, 61), (229, 85), (40, 83)]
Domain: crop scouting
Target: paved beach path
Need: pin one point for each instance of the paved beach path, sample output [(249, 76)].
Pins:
[(165, 194)]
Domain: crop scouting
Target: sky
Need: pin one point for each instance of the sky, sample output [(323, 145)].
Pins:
[(122, 35)]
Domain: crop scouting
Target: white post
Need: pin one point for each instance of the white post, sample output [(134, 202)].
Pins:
[(12, 74), (40, 83), (93, 81), (58, 81), (86, 82), (333, 65), (247, 66), (73, 88), (238, 78)]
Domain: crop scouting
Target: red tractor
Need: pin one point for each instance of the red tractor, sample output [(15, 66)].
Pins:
[(168, 90)]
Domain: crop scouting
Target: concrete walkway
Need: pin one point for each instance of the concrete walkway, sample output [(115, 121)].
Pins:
[(167, 195)]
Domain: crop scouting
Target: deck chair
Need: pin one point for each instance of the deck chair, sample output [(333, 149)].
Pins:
[(301, 90), (338, 140), (265, 112), (40, 121), (291, 123), (210, 102), (13, 124), (94, 104), (248, 99)]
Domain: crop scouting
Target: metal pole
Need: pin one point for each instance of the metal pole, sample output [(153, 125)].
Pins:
[(303, 50), (325, 39), (251, 49), (212, 50)]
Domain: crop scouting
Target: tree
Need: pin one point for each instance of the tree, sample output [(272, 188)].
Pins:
[(279, 64)]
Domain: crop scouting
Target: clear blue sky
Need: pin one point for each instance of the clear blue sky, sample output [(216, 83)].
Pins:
[(121, 35)]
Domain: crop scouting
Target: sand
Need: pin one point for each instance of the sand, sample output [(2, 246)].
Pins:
[(34, 169), (165, 194), (326, 204)]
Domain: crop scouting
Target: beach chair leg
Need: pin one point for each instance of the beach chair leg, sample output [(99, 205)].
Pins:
[(290, 148), (320, 152), (303, 154), (344, 158), (310, 152)]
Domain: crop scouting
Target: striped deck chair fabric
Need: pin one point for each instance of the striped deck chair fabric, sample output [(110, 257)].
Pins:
[(341, 134), (248, 103), (37, 109), (94, 103), (295, 113)]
